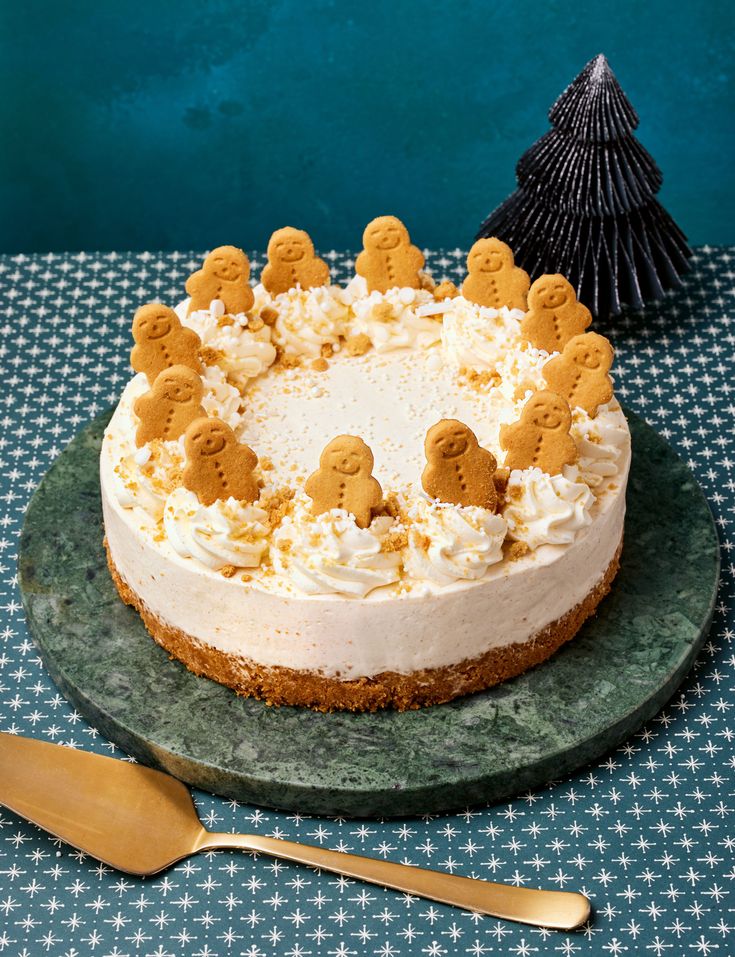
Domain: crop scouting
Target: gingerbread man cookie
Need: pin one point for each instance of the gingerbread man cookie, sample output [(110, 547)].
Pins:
[(493, 278), (291, 260), (388, 258), (540, 438), (165, 411), (344, 480), (161, 341), (458, 470), (217, 465), (225, 276), (554, 316), (580, 373)]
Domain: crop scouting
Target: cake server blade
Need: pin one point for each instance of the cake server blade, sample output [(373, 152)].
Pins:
[(141, 821)]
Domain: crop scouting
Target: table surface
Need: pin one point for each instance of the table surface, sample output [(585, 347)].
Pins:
[(647, 832)]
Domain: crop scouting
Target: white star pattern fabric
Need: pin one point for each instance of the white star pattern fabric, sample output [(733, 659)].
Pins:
[(647, 832)]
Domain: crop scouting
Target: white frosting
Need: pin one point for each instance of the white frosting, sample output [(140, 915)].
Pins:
[(390, 400), (141, 477), (602, 443), (224, 533), (397, 319), (307, 318), (143, 481), (329, 553), (547, 509), (476, 337), (242, 352), (221, 398), (450, 542), (521, 373)]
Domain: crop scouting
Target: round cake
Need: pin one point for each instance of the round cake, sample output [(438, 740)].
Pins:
[(387, 494)]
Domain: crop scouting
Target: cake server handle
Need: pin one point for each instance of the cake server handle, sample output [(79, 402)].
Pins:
[(561, 910)]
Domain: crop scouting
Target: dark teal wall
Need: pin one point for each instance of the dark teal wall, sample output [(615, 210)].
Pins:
[(184, 125)]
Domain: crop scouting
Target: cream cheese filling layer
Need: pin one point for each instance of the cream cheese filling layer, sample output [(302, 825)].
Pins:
[(390, 629)]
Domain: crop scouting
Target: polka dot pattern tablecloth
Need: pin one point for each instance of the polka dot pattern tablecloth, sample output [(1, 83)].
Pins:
[(647, 832)]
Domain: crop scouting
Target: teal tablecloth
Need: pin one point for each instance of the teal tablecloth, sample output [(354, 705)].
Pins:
[(647, 833)]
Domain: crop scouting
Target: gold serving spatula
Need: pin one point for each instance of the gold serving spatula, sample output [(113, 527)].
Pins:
[(140, 821)]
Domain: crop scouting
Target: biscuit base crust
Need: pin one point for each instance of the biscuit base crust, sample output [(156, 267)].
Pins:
[(287, 686)]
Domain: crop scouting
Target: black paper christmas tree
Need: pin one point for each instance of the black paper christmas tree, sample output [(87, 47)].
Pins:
[(585, 204)]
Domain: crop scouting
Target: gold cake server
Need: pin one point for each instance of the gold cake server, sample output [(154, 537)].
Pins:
[(141, 821)]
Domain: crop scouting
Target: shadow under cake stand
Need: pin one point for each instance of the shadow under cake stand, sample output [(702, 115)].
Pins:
[(592, 694)]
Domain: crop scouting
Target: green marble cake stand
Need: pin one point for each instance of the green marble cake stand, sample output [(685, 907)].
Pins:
[(584, 701)]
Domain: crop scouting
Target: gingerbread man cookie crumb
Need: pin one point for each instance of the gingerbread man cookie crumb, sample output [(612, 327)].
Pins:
[(517, 550), (445, 290), (358, 345)]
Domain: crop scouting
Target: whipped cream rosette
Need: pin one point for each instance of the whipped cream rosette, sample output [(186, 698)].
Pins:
[(229, 343), (329, 553), (547, 509), (520, 372), (221, 398), (477, 337), (400, 318), (603, 443), (449, 543), (144, 478), (307, 320), (227, 532)]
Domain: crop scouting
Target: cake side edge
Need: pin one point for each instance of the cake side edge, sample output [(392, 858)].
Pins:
[(278, 685)]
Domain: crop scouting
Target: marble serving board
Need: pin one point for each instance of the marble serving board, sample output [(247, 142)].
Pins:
[(589, 697)]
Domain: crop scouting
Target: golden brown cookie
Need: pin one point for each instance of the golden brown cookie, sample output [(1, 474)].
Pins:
[(580, 373), (457, 469), (554, 316), (292, 261), (172, 403), (217, 465), (388, 258), (445, 290), (540, 438), (161, 341), (493, 279), (224, 275), (344, 480)]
